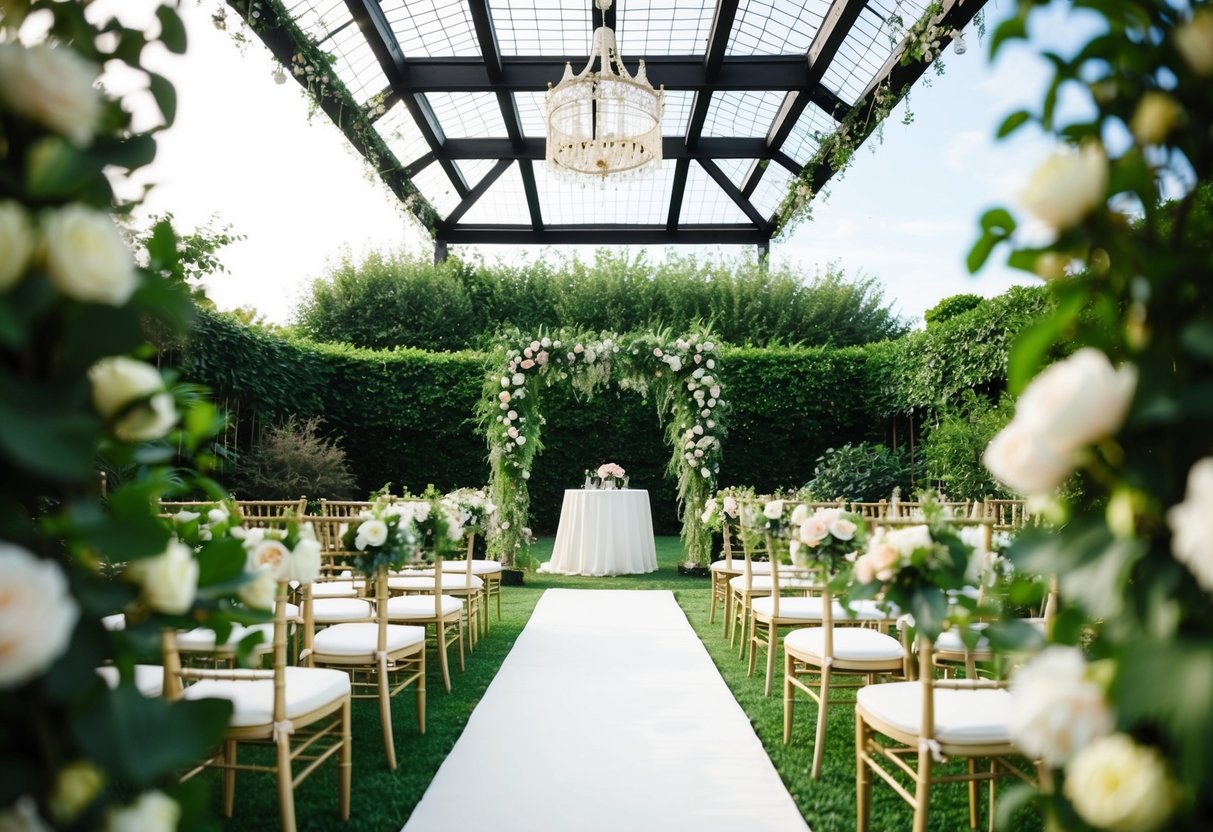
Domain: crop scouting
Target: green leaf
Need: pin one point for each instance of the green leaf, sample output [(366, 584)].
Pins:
[(221, 562), (1031, 348), (980, 253), (54, 168), (998, 220), (172, 30), (22, 306), (43, 430), (114, 726), (1013, 122), (165, 95), (130, 153), (95, 331), (1013, 28)]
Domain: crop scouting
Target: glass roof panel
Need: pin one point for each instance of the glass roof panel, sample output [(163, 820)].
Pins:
[(474, 170), (432, 28), (434, 185), (776, 28), (871, 41), (704, 203), (467, 115), (662, 27), (812, 126), (771, 190), (641, 201), (317, 18), (677, 112), (401, 134), (742, 113), (530, 113), (735, 169), (542, 27), (355, 63), (503, 203)]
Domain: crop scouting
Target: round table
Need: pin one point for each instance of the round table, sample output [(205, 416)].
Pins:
[(604, 532)]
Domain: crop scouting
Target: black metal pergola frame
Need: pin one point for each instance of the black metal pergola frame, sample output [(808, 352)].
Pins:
[(713, 71)]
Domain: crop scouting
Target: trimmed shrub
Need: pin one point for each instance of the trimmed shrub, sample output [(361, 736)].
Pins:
[(865, 472), (950, 307), (954, 447)]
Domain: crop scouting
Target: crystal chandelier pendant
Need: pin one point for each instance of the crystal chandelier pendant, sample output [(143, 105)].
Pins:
[(606, 122)]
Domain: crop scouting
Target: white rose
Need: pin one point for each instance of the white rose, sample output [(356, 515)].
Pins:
[(217, 515), (674, 362), (843, 529), (705, 413), (505, 381), (1056, 709), (272, 555), (260, 592), (519, 379), (697, 430), (151, 812), (1068, 186), (37, 615), (730, 506), (16, 241), (698, 373), (714, 392), (526, 475), (909, 539), (169, 580), (52, 87), (1154, 117), (1192, 524), (305, 564), (800, 514), (512, 415), (1118, 785), (1078, 400), (184, 516), (119, 381), (521, 440), (773, 510), (813, 531), (1194, 40), (1026, 461), (86, 257), (705, 472), (505, 525), (370, 533)]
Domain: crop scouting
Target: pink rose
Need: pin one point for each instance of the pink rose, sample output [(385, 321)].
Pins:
[(534, 347), (864, 573), (527, 352), (883, 558), (813, 531), (527, 364), (542, 358)]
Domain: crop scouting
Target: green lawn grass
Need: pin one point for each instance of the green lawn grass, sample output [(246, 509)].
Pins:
[(383, 799)]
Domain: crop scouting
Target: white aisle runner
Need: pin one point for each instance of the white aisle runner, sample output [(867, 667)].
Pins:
[(607, 715)]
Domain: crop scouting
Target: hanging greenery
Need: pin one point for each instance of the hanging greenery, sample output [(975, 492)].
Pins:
[(682, 375)]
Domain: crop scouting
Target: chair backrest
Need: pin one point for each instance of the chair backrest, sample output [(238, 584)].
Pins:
[(270, 512), (329, 532), (175, 673), (1008, 515), (343, 508), (801, 576), (871, 511)]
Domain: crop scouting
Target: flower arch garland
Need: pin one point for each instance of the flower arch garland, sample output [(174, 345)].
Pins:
[(682, 374)]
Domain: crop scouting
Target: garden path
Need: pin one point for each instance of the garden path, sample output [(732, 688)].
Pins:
[(607, 715)]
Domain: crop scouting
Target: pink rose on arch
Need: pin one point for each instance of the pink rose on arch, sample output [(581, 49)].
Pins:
[(527, 352), (542, 358), (527, 364)]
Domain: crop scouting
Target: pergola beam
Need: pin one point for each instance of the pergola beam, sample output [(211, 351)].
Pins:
[(672, 147), (465, 234)]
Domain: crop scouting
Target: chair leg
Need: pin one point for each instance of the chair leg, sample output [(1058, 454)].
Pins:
[(421, 692), (789, 694), (229, 777), (712, 607), (498, 600), (459, 638), (819, 743), (922, 790), (286, 787), (346, 763), (727, 613), (753, 656), (863, 778), (772, 648), (440, 638), (385, 712), (973, 812)]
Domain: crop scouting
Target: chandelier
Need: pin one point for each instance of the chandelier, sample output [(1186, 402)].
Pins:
[(606, 122)]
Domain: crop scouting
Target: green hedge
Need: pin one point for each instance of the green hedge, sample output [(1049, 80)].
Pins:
[(407, 416)]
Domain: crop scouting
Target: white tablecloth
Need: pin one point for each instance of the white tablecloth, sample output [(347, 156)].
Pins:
[(604, 532)]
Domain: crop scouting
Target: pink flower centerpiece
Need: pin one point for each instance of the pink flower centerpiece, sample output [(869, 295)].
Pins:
[(612, 475)]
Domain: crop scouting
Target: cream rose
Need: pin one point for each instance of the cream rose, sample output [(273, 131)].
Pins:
[(865, 572), (16, 242), (1155, 116), (53, 87), (909, 539), (269, 554), (1068, 186), (151, 812), (843, 529), (1056, 708), (1026, 461), (37, 615), (1192, 524), (730, 506), (119, 381), (773, 510), (260, 592), (1194, 40), (1118, 785), (883, 559), (370, 533), (799, 514), (169, 580), (86, 257), (1078, 400), (813, 531)]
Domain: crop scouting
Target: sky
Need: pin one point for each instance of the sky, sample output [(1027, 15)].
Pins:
[(246, 150)]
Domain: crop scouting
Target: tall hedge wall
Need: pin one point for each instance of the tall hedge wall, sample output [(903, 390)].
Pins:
[(406, 416)]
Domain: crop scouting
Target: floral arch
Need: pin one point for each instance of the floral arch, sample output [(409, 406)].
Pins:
[(682, 374)]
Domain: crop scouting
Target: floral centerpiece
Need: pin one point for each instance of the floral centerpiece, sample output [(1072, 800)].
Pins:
[(478, 513), (609, 475), (412, 528), (829, 537)]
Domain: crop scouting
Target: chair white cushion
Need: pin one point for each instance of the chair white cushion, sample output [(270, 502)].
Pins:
[(420, 606), (949, 641), (808, 609), (869, 610), (427, 583), (307, 688), (479, 567), (362, 639), (203, 639), (149, 678), (335, 589), (336, 610), (763, 583), (857, 644), (962, 717)]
